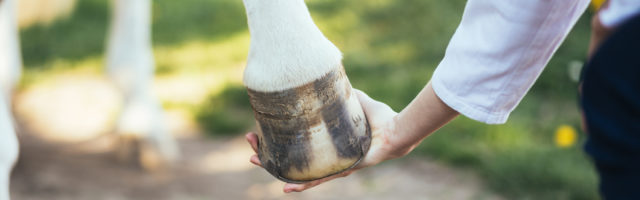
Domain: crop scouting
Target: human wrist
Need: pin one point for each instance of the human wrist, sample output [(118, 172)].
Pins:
[(396, 144), (423, 116)]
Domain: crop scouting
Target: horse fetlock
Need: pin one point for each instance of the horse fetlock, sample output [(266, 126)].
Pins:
[(143, 136)]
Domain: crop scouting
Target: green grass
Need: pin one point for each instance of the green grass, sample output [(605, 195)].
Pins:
[(80, 36), (391, 49), (226, 113)]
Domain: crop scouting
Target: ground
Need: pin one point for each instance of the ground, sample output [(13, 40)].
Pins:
[(57, 161)]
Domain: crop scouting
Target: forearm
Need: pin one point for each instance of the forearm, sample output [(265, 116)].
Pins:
[(497, 53), (424, 115)]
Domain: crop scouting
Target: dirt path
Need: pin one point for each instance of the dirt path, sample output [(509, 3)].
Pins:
[(215, 169), (82, 166)]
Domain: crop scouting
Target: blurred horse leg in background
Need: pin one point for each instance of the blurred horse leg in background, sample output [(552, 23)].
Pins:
[(144, 136), (10, 69), (8, 147), (10, 61)]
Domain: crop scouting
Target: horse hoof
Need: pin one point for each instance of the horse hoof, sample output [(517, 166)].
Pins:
[(140, 153), (312, 131)]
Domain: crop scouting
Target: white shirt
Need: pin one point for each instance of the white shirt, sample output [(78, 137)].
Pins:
[(501, 47)]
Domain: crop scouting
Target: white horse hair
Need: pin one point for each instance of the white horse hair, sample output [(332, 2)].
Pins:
[(129, 63), (283, 65)]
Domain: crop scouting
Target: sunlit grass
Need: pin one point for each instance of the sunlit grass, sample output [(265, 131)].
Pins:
[(196, 56), (39, 75), (190, 73)]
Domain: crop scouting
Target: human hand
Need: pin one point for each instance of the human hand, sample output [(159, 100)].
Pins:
[(382, 122)]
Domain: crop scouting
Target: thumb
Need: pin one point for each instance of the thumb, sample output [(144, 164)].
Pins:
[(364, 99), (370, 106)]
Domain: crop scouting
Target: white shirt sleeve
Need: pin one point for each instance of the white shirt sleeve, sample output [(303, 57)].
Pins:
[(618, 11), (498, 51)]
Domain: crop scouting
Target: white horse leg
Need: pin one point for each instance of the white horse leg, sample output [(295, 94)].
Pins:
[(8, 148), (130, 64), (10, 61), (10, 64)]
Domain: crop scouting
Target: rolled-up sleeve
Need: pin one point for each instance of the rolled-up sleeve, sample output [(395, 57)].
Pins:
[(498, 51)]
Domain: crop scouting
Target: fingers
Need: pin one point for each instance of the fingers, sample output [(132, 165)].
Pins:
[(292, 187), (252, 138), (372, 107), (365, 100), (255, 160)]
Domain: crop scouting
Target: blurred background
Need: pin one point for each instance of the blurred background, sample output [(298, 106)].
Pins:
[(65, 106)]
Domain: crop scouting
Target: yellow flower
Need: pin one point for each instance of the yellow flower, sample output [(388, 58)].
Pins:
[(595, 5), (565, 136)]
